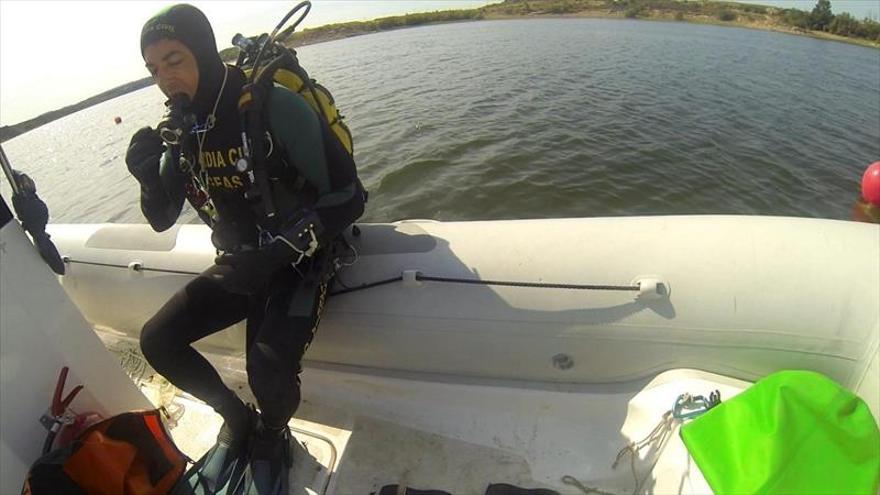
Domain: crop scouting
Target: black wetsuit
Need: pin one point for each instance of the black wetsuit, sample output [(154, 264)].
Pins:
[(283, 316), (281, 322)]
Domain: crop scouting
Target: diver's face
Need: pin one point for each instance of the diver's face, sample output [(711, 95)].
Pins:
[(173, 67)]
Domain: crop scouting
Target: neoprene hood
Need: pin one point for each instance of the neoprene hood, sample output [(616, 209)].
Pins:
[(188, 25)]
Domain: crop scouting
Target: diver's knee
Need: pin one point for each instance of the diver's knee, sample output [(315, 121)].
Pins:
[(266, 368), (153, 346)]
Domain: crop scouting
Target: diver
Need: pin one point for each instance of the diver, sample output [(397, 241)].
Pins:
[(273, 272)]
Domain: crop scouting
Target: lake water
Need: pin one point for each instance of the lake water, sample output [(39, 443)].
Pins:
[(546, 118)]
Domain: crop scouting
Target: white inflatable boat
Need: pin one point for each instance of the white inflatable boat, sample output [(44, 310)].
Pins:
[(529, 352), (740, 296)]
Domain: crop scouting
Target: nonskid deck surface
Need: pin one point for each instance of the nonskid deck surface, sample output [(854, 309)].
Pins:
[(360, 454), (358, 431)]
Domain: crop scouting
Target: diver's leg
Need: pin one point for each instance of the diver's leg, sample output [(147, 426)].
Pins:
[(291, 318), (201, 308), (292, 313)]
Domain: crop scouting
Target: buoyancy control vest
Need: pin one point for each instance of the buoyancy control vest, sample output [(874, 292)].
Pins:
[(284, 70), (275, 185)]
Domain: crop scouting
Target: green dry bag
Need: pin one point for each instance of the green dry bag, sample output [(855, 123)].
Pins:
[(791, 432)]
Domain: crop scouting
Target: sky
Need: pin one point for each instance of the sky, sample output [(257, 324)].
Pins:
[(56, 53)]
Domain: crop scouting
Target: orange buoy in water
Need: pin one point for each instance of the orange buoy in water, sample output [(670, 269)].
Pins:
[(871, 184), (118, 120)]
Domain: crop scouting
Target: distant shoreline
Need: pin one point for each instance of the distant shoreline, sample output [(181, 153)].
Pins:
[(743, 15), (10, 131), (703, 20)]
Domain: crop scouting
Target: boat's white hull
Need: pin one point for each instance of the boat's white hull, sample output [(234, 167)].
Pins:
[(747, 295), (451, 386)]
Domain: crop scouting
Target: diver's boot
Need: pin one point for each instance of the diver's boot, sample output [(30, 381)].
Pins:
[(239, 422), (270, 462)]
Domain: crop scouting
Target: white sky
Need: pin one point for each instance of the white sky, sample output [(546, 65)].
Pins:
[(56, 53)]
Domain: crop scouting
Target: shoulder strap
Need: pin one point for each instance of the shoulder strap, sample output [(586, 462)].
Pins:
[(250, 106)]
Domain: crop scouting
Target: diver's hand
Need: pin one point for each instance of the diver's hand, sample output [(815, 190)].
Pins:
[(249, 271), (143, 155), (234, 280), (34, 215), (32, 211)]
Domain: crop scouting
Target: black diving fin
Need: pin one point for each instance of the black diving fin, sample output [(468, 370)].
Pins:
[(222, 469), (219, 471), (268, 465)]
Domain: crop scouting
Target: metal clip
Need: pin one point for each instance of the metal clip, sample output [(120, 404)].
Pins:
[(689, 406)]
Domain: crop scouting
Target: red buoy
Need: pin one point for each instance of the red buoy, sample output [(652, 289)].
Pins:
[(871, 184), (118, 120)]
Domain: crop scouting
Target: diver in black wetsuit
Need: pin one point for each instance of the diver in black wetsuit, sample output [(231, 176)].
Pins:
[(254, 278)]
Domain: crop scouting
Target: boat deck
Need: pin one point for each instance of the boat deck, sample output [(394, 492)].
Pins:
[(359, 430)]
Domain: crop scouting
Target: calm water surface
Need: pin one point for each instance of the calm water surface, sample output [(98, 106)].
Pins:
[(546, 118)]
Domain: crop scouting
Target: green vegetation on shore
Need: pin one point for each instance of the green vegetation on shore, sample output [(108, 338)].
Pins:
[(354, 28), (342, 30), (821, 22)]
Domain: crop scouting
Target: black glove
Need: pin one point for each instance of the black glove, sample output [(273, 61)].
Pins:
[(32, 211), (228, 235), (34, 215), (247, 272), (143, 155)]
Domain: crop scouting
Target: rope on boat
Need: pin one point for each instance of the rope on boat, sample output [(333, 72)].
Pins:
[(537, 285), (136, 367), (370, 285), (132, 362), (657, 438), (686, 407), (137, 267), (587, 490), (418, 277)]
